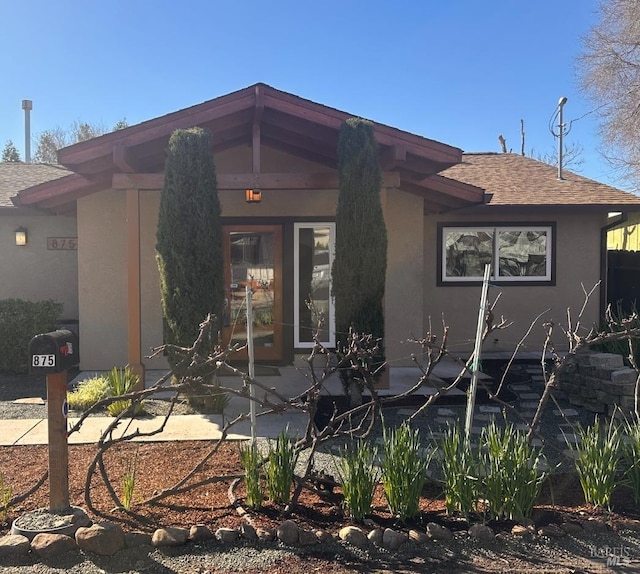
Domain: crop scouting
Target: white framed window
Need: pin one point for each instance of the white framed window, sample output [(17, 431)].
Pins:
[(313, 246), (517, 253)]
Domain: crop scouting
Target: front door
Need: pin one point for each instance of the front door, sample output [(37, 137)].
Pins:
[(253, 256)]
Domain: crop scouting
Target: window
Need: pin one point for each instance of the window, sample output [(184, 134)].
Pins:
[(313, 257), (516, 253)]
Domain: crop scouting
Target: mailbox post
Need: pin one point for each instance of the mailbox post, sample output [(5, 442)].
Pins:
[(53, 354)]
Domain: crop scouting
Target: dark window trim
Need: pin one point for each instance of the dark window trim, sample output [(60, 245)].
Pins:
[(473, 225)]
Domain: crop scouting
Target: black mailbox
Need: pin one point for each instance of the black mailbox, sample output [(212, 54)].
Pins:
[(54, 352)]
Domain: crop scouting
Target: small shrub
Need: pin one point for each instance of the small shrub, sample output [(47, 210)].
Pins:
[(598, 457), (129, 482), (358, 476), (511, 479), (87, 393), (459, 470), (251, 461), (404, 470), (280, 467), (20, 321), (6, 491), (122, 382)]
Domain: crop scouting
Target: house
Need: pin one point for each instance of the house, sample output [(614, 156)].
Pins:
[(447, 214), (41, 263)]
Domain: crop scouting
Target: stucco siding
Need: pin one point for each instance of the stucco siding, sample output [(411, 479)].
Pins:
[(34, 272), (102, 277), (404, 305), (577, 265)]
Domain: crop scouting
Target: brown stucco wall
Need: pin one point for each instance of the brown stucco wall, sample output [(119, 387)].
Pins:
[(102, 279), (577, 264), (44, 273), (103, 262), (404, 305)]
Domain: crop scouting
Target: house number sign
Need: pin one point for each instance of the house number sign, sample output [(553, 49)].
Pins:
[(62, 243)]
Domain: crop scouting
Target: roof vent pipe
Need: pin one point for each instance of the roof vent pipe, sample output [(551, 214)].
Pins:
[(561, 103), (27, 106)]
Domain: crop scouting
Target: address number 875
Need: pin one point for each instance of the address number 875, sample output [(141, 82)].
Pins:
[(43, 361)]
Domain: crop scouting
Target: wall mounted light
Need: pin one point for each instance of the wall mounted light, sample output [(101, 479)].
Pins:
[(253, 195), (21, 236)]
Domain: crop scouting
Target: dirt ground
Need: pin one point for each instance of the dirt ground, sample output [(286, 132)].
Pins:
[(160, 465)]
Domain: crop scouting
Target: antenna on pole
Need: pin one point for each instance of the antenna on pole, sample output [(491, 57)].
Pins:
[(560, 134)]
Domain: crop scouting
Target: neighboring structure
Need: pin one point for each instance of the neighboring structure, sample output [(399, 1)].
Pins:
[(47, 266), (446, 215)]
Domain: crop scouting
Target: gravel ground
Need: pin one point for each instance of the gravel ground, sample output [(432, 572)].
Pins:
[(567, 555)]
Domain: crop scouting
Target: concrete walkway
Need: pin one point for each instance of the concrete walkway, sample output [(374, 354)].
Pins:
[(291, 382)]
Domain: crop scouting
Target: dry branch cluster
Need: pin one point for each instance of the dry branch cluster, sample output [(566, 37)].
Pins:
[(196, 368)]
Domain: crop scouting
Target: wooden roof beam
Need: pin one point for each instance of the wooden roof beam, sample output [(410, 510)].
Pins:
[(231, 181), (123, 158), (258, 110), (391, 157)]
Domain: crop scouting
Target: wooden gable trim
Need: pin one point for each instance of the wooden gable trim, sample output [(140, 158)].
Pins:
[(386, 135), (52, 189), (158, 127), (453, 188)]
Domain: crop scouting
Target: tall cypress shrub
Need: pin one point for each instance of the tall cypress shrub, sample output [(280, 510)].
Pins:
[(360, 262), (189, 238)]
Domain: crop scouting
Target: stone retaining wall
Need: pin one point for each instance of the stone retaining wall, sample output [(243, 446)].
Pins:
[(600, 382)]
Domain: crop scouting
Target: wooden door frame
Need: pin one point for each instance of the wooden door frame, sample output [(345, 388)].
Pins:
[(274, 353)]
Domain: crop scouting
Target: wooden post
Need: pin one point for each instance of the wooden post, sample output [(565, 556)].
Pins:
[(58, 447), (134, 310)]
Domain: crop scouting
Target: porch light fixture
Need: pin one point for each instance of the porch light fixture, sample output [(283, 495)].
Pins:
[(21, 236), (253, 195)]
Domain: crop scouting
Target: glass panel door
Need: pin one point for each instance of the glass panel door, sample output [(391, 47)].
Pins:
[(313, 253), (253, 256)]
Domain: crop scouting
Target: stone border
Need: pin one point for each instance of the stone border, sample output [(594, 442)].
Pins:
[(107, 538)]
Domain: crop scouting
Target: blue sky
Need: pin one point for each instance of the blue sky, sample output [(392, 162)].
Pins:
[(457, 71)]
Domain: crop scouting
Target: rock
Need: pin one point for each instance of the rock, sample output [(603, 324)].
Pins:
[(229, 535), (530, 524), (354, 536), (104, 539), (266, 534), (594, 526), (418, 537), (248, 532), (307, 537), (572, 528), (521, 531), (323, 536), (50, 545), (170, 536), (136, 539), (481, 532), (392, 539), (288, 532), (375, 536), (551, 531), (200, 533), (14, 545), (437, 532)]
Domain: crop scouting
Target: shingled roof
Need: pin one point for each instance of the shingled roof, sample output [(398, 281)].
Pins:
[(512, 180), (16, 176)]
